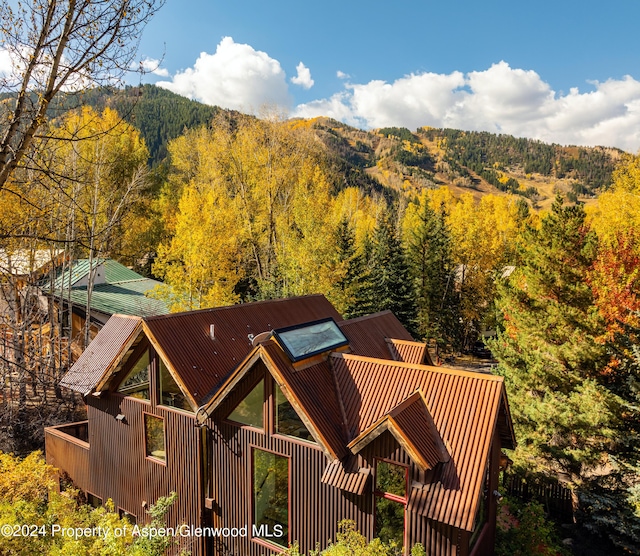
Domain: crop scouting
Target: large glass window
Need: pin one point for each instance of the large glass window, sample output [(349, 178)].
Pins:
[(170, 393), (250, 410), (390, 502), (136, 383), (154, 437), (287, 420), (270, 497)]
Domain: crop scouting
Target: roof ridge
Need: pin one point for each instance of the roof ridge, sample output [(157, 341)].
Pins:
[(235, 306), (363, 317), (443, 370)]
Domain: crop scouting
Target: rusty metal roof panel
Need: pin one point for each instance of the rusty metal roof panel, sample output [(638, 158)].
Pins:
[(336, 475), (406, 351), (314, 390), (184, 339), (367, 335), (416, 425), (464, 406), (101, 354)]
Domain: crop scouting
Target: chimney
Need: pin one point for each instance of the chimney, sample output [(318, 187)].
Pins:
[(212, 331)]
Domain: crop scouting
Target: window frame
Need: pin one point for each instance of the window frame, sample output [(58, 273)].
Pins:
[(265, 397), (274, 419), (98, 499), (272, 545), (135, 356), (148, 456), (157, 362), (403, 500)]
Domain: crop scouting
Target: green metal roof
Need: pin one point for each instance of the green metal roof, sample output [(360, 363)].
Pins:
[(125, 298), (114, 272), (122, 291)]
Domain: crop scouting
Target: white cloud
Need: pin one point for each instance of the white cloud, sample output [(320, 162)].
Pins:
[(342, 75), (499, 99), (151, 65), (236, 76), (303, 78), (6, 63)]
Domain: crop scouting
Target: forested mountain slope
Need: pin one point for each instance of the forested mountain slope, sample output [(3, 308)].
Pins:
[(394, 160)]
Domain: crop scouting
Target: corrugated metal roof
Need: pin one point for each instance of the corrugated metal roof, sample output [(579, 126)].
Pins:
[(305, 387), (114, 272), (184, 338), (126, 298), (367, 334), (410, 352), (464, 406), (412, 425), (105, 350), (336, 475)]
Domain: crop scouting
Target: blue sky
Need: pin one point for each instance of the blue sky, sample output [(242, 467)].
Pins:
[(564, 71)]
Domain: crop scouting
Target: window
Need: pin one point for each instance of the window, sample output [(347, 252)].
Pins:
[(390, 501), (93, 500), (154, 437), (270, 497), (250, 410), (287, 420), (136, 383), (481, 513), (170, 393), (306, 340), (132, 519)]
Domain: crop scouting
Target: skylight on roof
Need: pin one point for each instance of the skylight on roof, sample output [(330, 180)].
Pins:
[(305, 340)]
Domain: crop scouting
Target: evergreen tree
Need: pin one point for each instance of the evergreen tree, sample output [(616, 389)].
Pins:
[(388, 285), (566, 418), (348, 268), (431, 263)]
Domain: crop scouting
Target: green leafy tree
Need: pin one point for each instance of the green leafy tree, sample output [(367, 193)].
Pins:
[(566, 419)]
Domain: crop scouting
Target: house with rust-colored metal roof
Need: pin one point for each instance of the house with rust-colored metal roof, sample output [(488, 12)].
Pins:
[(279, 419)]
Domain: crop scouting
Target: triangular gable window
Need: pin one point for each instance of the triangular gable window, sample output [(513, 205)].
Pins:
[(250, 410), (136, 383), (170, 392), (287, 419)]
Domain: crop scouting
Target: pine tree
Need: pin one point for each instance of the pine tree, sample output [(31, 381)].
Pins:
[(348, 268), (388, 284), (431, 263), (566, 419)]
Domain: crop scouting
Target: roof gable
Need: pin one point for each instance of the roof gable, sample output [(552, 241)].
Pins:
[(321, 415), (103, 355), (464, 406), (203, 362), (412, 426)]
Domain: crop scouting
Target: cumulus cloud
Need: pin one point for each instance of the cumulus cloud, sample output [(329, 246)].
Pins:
[(342, 75), (499, 99), (236, 76), (303, 78), (151, 65)]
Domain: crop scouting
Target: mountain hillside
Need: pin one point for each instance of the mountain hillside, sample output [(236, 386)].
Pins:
[(475, 162), (394, 161)]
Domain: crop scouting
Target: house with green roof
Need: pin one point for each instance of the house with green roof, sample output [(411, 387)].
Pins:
[(115, 289)]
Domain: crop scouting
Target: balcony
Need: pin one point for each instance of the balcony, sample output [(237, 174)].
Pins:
[(67, 449)]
